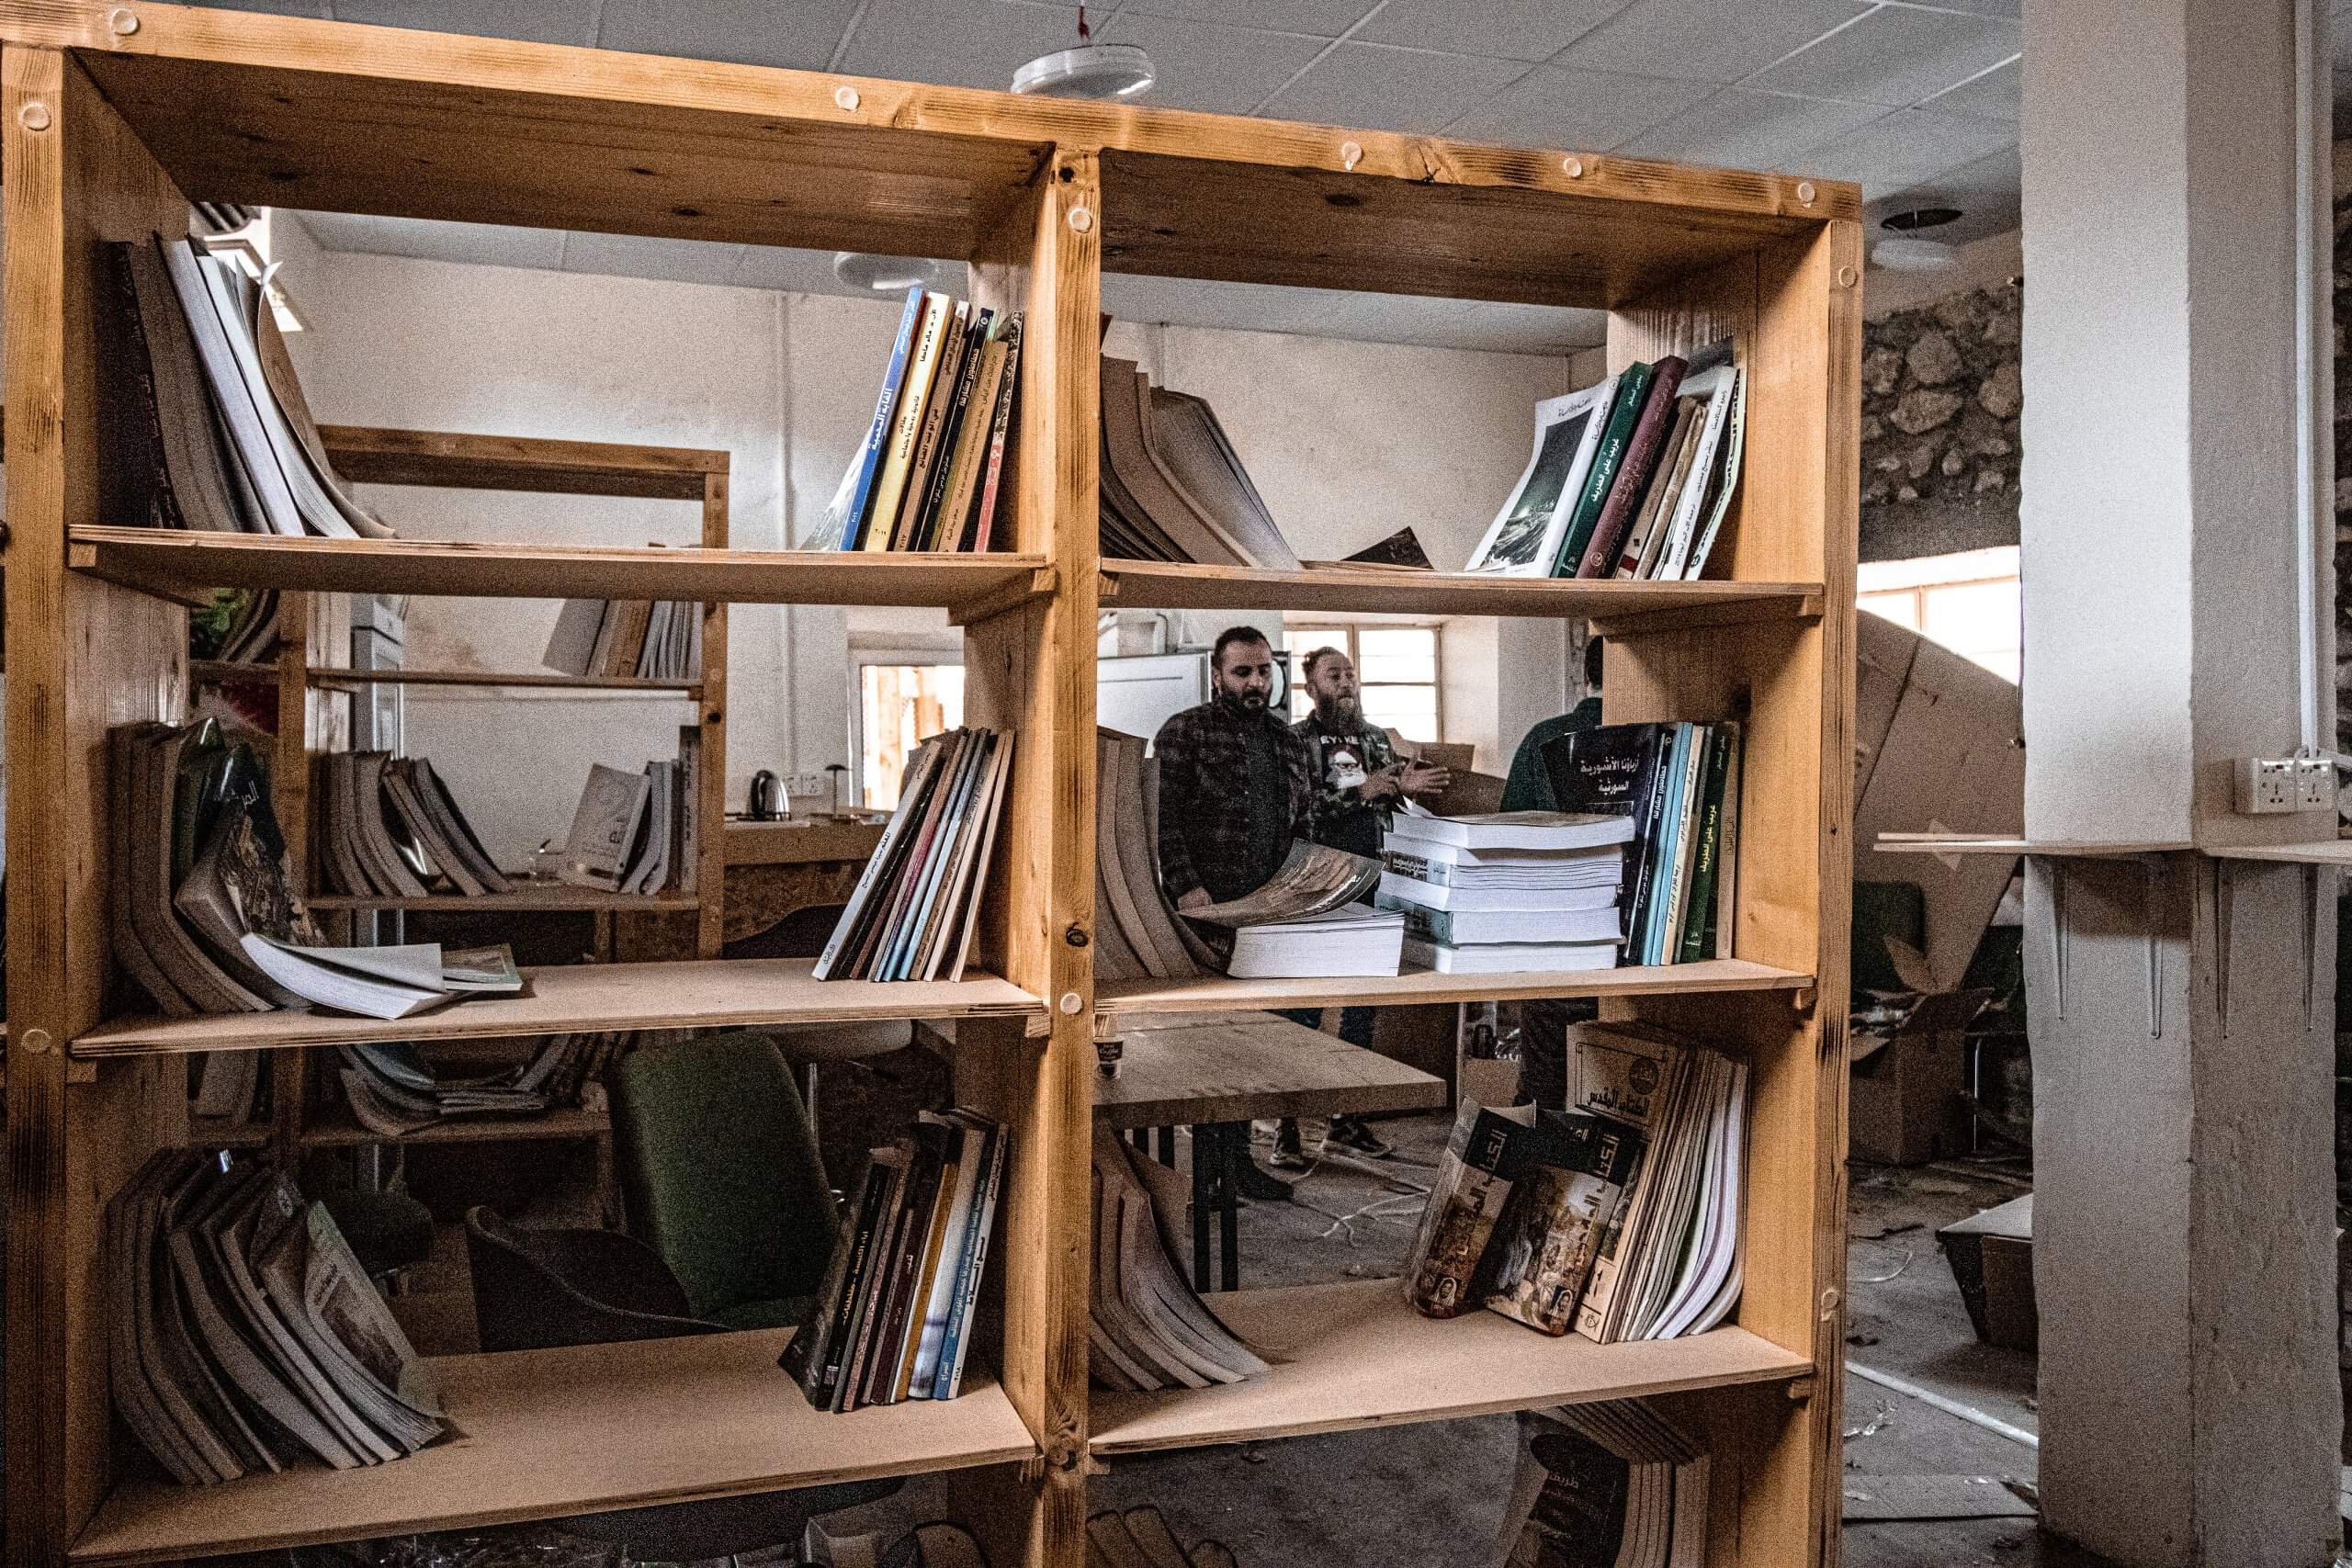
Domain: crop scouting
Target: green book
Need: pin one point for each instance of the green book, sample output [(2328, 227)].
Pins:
[(1698, 927), (1624, 412)]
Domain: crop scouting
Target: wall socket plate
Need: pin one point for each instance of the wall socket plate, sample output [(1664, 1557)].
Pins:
[(2268, 786)]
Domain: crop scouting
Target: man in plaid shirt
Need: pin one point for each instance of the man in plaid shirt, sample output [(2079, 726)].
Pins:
[(1235, 788)]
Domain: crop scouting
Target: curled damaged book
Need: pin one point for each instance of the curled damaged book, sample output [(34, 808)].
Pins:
[(201, 908), (251, 1338), (1145, 1329), (1607, 1485), (1309, 920)]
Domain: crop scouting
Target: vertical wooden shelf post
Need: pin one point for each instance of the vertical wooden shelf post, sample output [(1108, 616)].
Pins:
[(711, 807)]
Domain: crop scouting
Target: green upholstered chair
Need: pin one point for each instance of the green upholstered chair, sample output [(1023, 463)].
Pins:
[(720, 1174)]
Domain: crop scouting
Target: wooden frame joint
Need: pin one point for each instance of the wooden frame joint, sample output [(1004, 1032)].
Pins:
[(1015, 595)]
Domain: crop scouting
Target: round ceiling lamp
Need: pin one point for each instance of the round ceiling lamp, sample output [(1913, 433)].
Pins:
[(884, 275), (1100, 70), (1907, 252)]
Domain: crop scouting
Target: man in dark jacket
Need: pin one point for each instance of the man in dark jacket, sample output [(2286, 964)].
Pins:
[(1236, 788)]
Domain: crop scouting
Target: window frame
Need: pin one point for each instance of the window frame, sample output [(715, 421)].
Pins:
[(1298, 648)]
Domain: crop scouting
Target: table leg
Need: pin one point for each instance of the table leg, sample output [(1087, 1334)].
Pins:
[(1168, 1148), (1207, 1159), (1237, 1146)]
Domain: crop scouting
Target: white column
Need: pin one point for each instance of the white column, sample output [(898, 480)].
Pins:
[(2182, 1007)]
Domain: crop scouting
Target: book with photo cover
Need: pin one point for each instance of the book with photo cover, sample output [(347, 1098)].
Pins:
[(1486, 1154), (1549, 1233), (1528, 534)]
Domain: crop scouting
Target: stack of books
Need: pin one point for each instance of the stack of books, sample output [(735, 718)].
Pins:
[(623, 639), (1136, 931), (638, 832), (1505, 892), (894, 1312), (226, 1088), (1630, 478), (929, 474), (1172, 487), (240, 627), (914, 911), (388, 982), (1145, 1329), (392, 1089), (249, 1338), (387, 827), (1679, 785), (1309, 920), (1618, 1218), (217, 433), (1611, 1482)]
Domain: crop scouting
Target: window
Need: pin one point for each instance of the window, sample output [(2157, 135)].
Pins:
[(1967, 601), (899, 706), (1396, 665)]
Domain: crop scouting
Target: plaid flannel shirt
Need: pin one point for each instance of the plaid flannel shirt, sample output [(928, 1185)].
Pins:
[(1215, 831)]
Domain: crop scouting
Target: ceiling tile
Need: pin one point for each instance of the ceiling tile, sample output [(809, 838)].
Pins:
[(1740, 130), (800, 272), (957, 43), (1530, 329), (631, 255), (1707, 41), (1235, 307), (1896, 57), (1512, 29), (1211, 66), (801, 35), (2010, 8), (1397, 318), (1906, 148), (317, 9), (1998, 94), (1553, 107), (538, 21), (1381, 88), (1318, 18), (429, 239)]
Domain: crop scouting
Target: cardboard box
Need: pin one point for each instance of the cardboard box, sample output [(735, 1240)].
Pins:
[(1991, 1258), (1940, 747), (1905, 1103)]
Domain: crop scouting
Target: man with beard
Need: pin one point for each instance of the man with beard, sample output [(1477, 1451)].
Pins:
[(1359, 780), (1235, 788)]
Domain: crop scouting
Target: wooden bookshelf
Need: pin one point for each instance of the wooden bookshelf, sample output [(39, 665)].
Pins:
[(695, 994), (1353, 1354), (565, 1123), (109, 130), (181, 567), (205, 671), (555, 1432), (1156, 585), (1219, 993)]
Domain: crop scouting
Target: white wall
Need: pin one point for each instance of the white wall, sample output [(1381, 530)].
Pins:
[(1347, 441)]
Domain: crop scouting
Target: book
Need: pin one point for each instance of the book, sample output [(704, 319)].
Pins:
[(906, 425), (1145, 1327), (972, 1265), (1487, 1153), (1354, 939), (955, 411), (1551, 1228), (981, 531), (604, 827), (1460, 928), (1509, 829), (1459, 866), (383, 982), (1509, 957), (846, 520), (955, 346), (1624, 412), (966, 454), (1308, 918), (1696, 938), (1716, 381), (1636, 474), (1644, 533), (1576, 896), (1531, 531), (1609, 1483)]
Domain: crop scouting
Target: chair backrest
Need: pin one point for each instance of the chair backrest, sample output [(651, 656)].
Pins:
[(539, 1289), (720, 1169)]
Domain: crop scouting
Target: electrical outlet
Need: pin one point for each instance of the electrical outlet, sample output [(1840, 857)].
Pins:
[(809, 793), (2314, 784), (2266, 785)]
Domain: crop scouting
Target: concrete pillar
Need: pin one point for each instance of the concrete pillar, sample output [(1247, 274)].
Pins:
[(2181, 1006)]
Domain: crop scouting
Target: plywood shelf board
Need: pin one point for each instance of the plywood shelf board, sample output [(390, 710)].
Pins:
[(1954, 844), (529, 900), (547, 1433), (1218, 993), (2326, 852), (173, 562), (1160, 585), (366, 455), (1352, 1355), (323, 674), (571, 1122), (701, 994)]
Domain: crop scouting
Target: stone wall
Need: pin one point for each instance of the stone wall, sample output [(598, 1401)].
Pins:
[(1941, 394)]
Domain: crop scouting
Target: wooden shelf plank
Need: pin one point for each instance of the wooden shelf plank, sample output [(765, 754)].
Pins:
[(1354, 1355), (339, 1130), (801, 841), (367, 455), (527, 899), (2326, 852), (328, 675), (1219, 993), (1191, 1068), (1964, 844), (691, 994), (1159, 585), (219, 1133), (176, 564), (547, 1433)]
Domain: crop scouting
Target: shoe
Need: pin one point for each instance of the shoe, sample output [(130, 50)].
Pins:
[(1290, 1159), (1352, 1135), (1256, 1184)]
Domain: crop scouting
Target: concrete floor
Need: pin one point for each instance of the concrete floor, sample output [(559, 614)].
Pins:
[(1431, 1491)]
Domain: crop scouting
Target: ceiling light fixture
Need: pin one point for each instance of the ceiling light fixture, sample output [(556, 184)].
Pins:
[(884, 275), (1091, 71), (1907, 252)]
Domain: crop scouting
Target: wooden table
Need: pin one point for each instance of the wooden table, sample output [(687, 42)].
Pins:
[(1219, 1072)]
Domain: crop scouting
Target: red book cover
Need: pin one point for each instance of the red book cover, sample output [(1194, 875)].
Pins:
[(1634, 474)]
